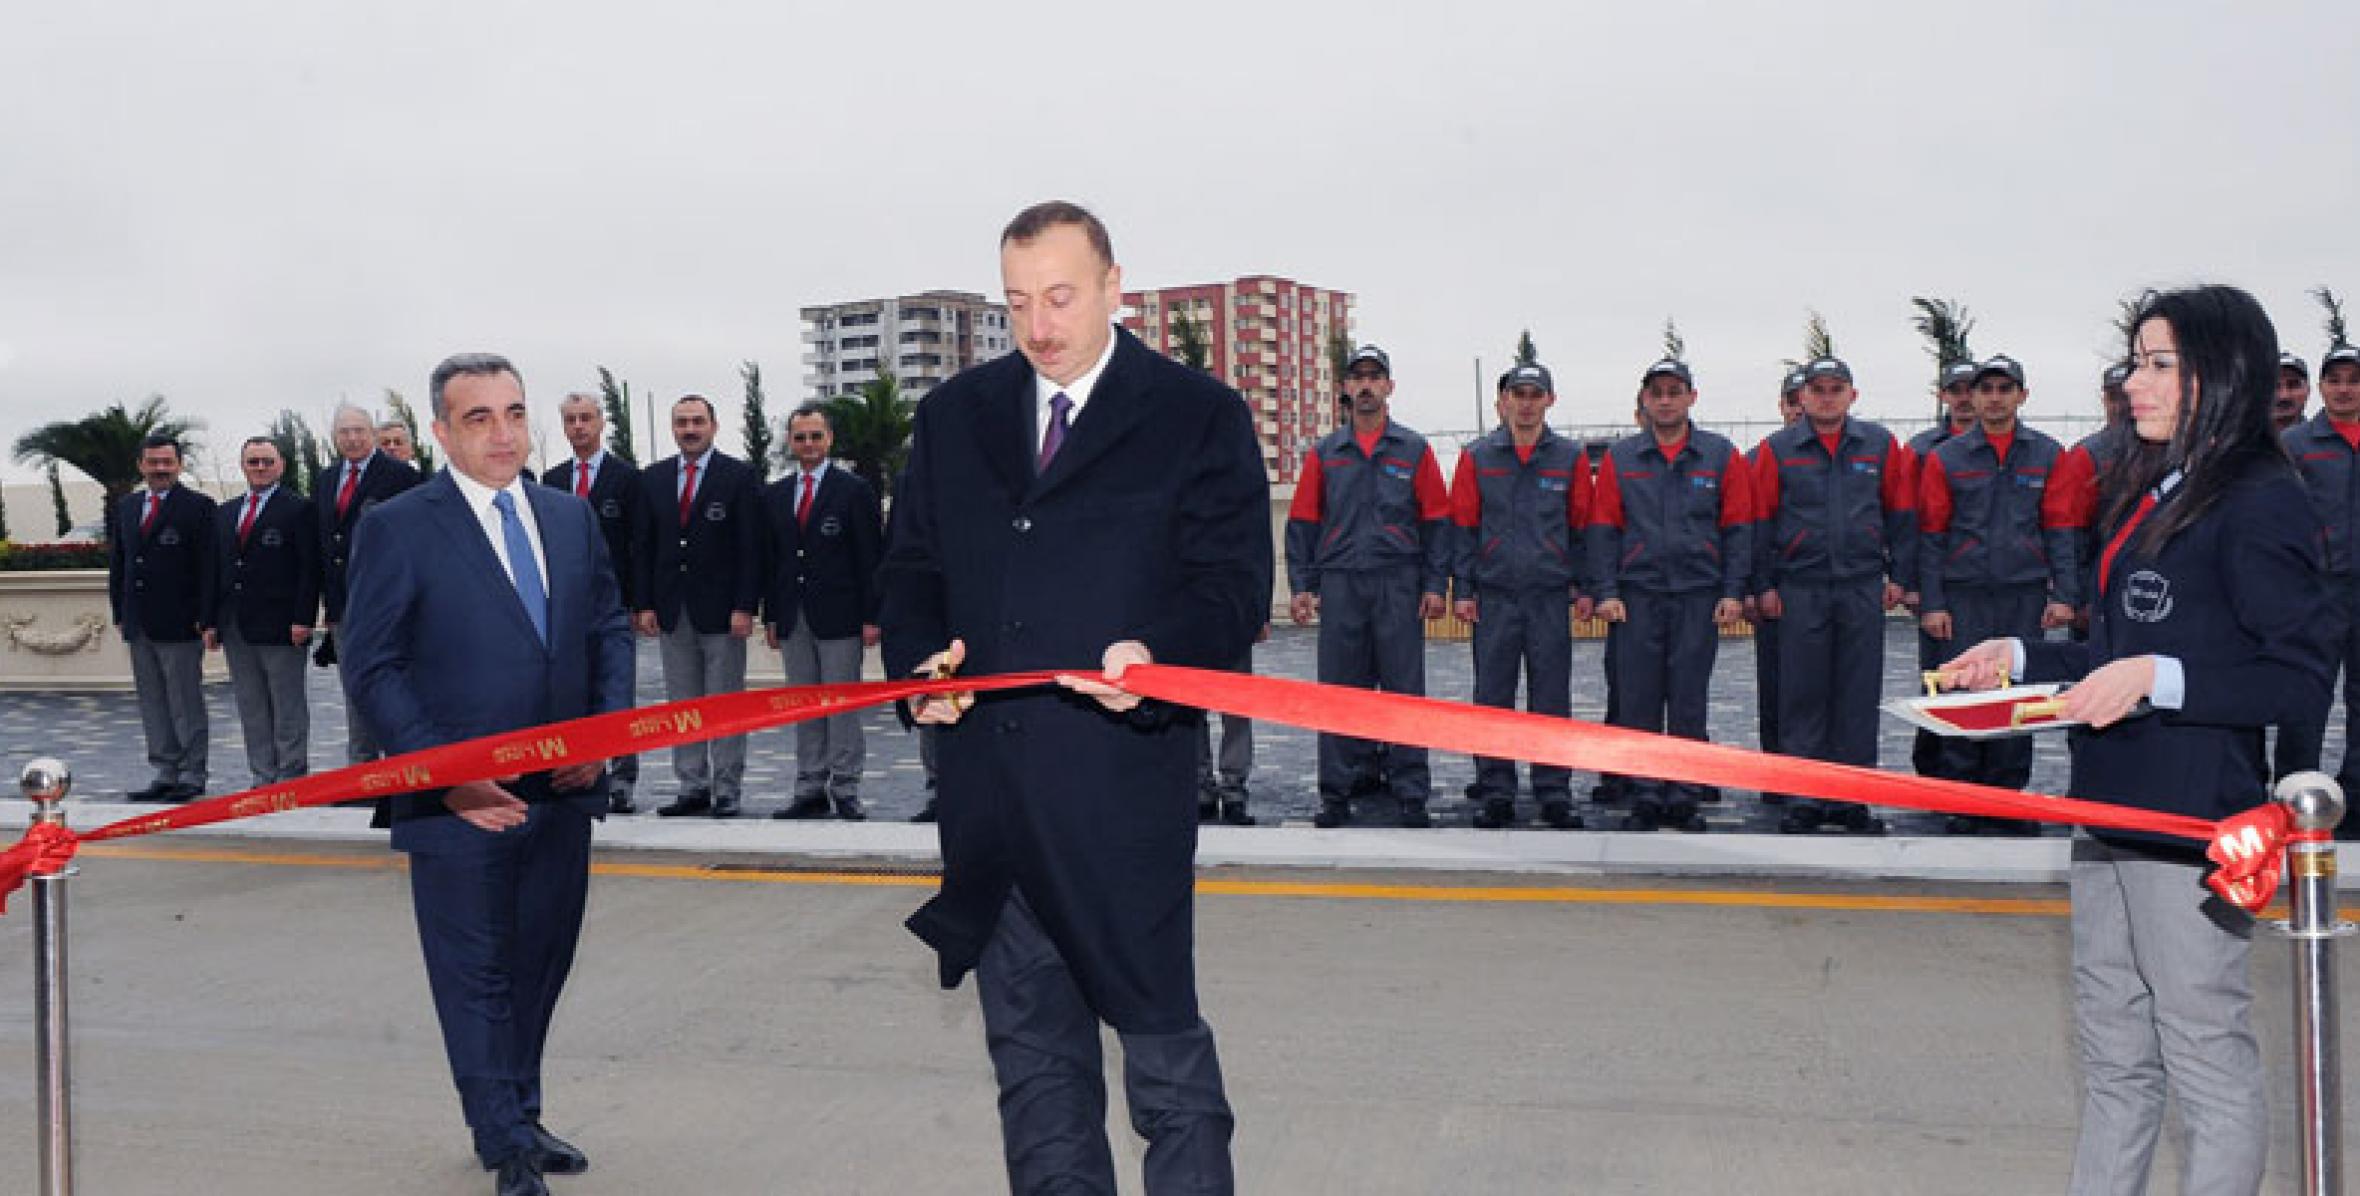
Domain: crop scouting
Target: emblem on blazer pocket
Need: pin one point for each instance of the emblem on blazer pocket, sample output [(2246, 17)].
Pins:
[(272, 537), (716, 513), (2147, 597), (170, 535), (611, 509), (831, 526)]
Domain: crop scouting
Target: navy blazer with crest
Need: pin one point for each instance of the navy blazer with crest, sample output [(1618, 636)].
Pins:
[(160, 580), (824, 568), (270, 583), (381, 479), (1152, 523), (616, 495), (437, 647), (710, 567)]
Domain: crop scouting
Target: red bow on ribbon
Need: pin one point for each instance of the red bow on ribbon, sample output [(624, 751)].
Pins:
[(45, 850), (2250, 850)]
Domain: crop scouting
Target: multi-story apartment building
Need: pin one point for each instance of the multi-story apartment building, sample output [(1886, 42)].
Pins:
[(1268, 337), (923, 339)]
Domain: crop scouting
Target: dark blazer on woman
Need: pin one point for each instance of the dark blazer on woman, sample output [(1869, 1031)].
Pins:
[(2237, 596), (823, 568)]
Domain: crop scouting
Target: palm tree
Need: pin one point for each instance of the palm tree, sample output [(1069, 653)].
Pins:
[(1945, 325), (873, 428), (1818, 342), (104, 446)]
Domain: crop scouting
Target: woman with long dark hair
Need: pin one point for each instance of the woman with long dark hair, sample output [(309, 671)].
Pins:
[(2209, 601)]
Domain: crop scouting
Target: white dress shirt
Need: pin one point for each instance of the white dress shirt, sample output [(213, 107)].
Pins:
[(487, 516), (703, 461), (1078, 391)]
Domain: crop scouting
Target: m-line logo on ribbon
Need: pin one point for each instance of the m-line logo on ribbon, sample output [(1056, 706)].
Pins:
[(2247, 847)]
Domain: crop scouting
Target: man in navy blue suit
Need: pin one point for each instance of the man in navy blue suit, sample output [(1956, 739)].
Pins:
[(160, 578), (362, 477), (825, 533), (481, 604), (1088, 504), (610, 485), (269, 541)]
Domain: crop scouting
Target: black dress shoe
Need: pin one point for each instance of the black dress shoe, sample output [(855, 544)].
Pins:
[(1413, 814), (1233, 813), (1333, 812), (685, 804), (1559, 815), (849, 809), (1800, 820), (804, 807), (1208, 809), (183, 793), (518, 1177), (556, 1156), (1497, 812), (620, 803), (925, 813), (725, 807), (154, 792)]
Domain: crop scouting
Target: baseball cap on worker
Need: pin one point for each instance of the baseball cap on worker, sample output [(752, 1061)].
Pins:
[(2288, 361), (2340, 355), (1960, 373), (1794, 382), (1369, 353), (1669, 365), (1828, 367), (1531, 373), (2117, 374), (2001, 364)]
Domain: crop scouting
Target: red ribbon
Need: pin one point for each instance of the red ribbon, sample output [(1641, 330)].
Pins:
[(2248, 848)]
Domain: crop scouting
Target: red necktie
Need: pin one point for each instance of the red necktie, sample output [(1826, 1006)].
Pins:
[(147, 522), (582, 480), (688, 489), (803, 508), (352, 477), (245, 525), (2106, 559)]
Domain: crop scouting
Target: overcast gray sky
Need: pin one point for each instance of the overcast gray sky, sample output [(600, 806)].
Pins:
[(247, 205)]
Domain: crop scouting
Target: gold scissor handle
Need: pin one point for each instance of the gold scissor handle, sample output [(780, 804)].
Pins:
[(1933, 679)]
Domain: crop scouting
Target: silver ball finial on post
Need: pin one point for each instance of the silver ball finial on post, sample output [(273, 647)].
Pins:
[(2314, 799), (2316, 803), (45, 781)]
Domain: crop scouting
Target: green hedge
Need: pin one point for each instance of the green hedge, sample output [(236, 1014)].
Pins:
[(28, 558)]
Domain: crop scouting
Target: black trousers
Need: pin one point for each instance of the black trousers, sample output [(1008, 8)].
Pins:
[(1831, 658), (1370, 637), (1766, 681), (1527, 633), (1978, 613), (1664, 651), (2301, 745), (1043, 1039), (498, 916)]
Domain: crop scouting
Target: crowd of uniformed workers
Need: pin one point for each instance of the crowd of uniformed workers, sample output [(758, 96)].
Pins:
[(1981, 527)]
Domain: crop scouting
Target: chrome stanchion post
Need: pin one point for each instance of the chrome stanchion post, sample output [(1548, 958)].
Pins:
[(45, 781), (2317, 804)]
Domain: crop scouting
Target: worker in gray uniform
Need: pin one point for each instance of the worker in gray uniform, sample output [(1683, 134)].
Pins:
[(1368, 546)]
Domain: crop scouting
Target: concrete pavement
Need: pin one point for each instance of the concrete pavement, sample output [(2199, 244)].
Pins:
[(251, 1017)]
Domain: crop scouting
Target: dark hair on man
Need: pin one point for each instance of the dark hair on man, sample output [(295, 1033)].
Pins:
[(251, 441), (808, 410), (157, 440), (709, 412), (473, 365), (2228, 353), (1042, 217)]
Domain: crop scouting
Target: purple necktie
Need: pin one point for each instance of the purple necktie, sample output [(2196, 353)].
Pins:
[(1059, 407)]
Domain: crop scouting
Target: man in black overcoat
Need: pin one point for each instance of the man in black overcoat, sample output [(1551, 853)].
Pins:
[(1086, 505)]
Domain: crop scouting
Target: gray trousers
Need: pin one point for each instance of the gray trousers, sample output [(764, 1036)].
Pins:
[(1370, 637), (694, 666), (1529, 634), (1043, 1039), (829, 752), (170, 681), (1236, 758), (360, 747), (2161, 992), (273, 713)]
